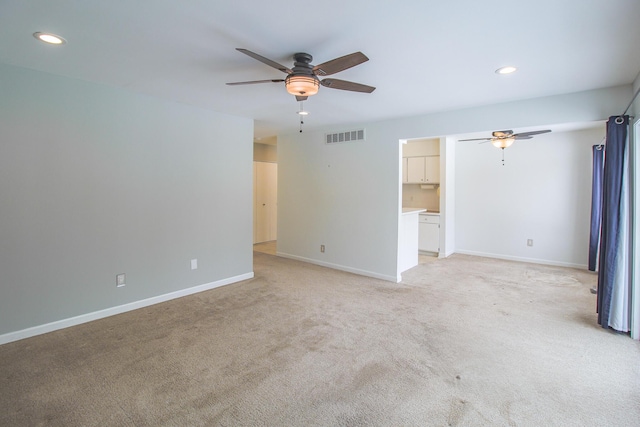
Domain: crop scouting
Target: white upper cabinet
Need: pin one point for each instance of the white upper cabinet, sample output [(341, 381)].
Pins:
[(422, 170), (415, 169), (432, 169)]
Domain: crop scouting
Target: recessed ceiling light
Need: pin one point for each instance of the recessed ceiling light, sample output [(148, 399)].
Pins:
[(506, 70), (49, 38)]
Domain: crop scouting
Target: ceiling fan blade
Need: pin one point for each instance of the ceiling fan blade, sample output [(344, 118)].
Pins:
[(476, 139), (345, 85), (301, 98), (252, 82), (520, 137), (535, 132), (265, 60), (340, 64)]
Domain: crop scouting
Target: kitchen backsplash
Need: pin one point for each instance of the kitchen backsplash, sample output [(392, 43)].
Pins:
[(415, 197)]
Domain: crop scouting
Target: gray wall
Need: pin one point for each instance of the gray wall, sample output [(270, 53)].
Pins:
[(96, 181), (542, 192), (635, 108), (339, 196), (348, 196)]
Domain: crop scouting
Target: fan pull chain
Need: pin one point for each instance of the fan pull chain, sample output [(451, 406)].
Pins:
[(301, 113), (502, 155)]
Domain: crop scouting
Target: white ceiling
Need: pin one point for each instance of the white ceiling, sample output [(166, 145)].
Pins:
[(425, 56)]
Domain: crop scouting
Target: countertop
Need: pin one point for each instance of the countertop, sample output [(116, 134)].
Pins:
[(421, 211), (407, 211)]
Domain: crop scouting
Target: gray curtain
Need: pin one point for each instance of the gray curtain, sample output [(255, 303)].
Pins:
[(596, 205), (610, 239)]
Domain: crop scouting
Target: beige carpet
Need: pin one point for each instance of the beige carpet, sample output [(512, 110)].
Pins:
[(462, 341)]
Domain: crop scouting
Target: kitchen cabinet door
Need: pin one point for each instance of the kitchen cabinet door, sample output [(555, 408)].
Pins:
[(422, 170), (432, 169), (429, 233), (415, 170)]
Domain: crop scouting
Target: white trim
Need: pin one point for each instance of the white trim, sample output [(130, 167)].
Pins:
[(523, 259), (399, 213), (342, 268), (446, 254), (111, 311)]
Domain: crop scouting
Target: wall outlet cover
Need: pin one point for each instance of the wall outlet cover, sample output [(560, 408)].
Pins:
[(120, 280), (194, 264)]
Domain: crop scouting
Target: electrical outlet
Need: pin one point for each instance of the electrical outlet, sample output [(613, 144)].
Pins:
[(120, 280), (322, 248), (529, 242), (194, 264)]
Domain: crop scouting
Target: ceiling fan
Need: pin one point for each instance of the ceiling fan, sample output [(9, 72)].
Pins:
[(504, 138), (302, 80)]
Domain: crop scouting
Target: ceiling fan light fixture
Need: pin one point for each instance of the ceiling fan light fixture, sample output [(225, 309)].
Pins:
[(502, 142), (302, 85)]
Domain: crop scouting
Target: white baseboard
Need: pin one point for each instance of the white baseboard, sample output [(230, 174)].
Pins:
[(111, 311), (342, 267), (447, 254), (523, 259)]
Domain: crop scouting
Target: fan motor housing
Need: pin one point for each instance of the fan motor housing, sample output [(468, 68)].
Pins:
[(302, 64)]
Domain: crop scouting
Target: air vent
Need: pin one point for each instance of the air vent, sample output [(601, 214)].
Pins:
[(347, 136)]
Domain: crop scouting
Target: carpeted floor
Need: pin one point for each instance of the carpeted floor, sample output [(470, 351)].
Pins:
[(461, 341)]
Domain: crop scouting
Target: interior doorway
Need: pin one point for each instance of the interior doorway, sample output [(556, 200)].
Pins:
[(265, 202)]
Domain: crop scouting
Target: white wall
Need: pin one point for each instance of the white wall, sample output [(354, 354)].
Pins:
[(96, 181), (448, 196), (348, 197), (635, 205), (543, 192), (336, 195)]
